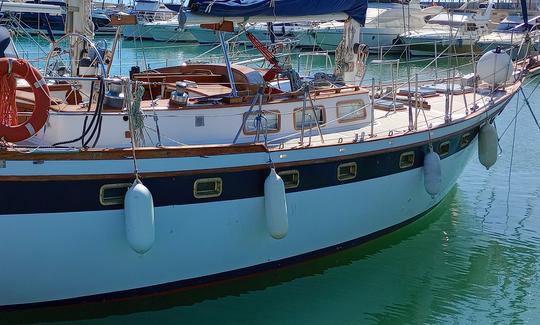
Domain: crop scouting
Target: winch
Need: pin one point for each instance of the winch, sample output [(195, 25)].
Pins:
[(180, 96), (114, 98)]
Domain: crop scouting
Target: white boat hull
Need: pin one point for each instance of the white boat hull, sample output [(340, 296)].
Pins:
[(85, 253), (376, 39)]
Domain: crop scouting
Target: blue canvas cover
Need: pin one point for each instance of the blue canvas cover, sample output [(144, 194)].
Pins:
[(247, 8)]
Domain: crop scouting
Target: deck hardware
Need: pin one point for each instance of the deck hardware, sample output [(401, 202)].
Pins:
[(199, 121)]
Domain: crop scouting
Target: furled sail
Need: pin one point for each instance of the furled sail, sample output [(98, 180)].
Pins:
[(356, 9)]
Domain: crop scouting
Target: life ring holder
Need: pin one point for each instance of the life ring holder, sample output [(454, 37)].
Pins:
[(42, 101)]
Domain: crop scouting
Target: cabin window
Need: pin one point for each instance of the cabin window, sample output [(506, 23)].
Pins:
[(465, 139), (310, 121), (113, 194), (270, 121), (406, 159), (351, 110), (444, 148), (207, 187), (346, 171), (291, 178)]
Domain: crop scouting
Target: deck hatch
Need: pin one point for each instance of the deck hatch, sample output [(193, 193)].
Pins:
[(207, 187), (113, 194)]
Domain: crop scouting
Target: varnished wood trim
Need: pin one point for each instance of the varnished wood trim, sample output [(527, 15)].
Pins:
[(143, 175), (141, 153)]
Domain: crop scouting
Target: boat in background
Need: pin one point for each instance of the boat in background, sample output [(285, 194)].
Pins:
[(511, 35), (169, 31), (36, 17), (147, 12), (384, 23), (452, 32)]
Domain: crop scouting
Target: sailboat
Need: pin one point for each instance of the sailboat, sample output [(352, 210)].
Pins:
[(181, 176)]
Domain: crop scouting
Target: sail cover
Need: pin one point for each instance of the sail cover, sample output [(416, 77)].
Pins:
[(356, 9)]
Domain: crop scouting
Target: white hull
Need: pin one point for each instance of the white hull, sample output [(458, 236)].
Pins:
[(138, 31), (171, 34), (85, 253)]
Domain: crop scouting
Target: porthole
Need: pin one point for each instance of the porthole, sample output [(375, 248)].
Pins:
[(207, 188), (444, 148), (406, 159), (291, 178), (465, 139), (346, 171), (113, 194)]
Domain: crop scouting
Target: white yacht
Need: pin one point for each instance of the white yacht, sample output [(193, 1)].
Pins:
[(169, 31), (511, 33), (147, 11), (384, 23), (452, 31)]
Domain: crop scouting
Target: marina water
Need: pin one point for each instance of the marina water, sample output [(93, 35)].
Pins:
[(474, 259)]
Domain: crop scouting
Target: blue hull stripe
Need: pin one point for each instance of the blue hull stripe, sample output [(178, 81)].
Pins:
[(83, 195)]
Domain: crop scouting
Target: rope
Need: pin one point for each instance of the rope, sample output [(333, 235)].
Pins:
[(8, 106), (136, 116)]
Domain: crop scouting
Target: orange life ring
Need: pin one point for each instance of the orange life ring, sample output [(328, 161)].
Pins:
[(42, 102)]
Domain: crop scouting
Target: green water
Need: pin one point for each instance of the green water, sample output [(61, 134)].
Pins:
[(473, 260)]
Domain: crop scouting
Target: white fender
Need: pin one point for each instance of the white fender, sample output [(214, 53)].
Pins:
[(275, 205), (139, 217), (432, 173), (488, 143)]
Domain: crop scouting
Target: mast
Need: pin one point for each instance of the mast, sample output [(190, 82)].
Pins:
[(349, 65), (78, 21)]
